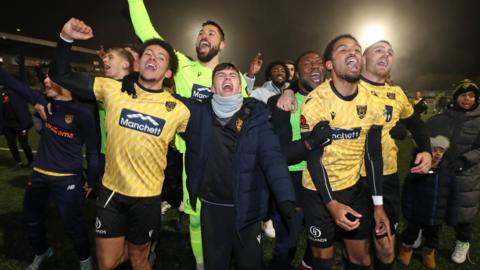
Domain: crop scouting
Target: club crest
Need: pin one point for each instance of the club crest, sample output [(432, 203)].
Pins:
[(239, 124), (170, 105), (68, 118), (361, 111), (391, 95)]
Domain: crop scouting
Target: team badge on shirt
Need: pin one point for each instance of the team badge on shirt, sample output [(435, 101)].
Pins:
[(374, 93), (391, 95), (361, 111), (170, 105), (239, 124), (68, 118)]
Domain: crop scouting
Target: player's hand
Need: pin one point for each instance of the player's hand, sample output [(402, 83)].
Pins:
[(423, 162), (87, 189), (76, 29), (255, 65), (420, 107), (41, 110), (23, 132), (344, 216), (287, 101), (382, 223), (321, 135)]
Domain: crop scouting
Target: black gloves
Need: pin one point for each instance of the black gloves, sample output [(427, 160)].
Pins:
[(458, 165), (399, 131), (128, 84), (321, 135), (420, 107)]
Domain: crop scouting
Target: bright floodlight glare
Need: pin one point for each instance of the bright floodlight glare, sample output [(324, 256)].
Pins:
[(371, 34)]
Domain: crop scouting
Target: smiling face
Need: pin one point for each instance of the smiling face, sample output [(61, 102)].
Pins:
[(466, 100), (278, 75), (226, 82), (209, 43), (378, 59), (154, 64), (311, 70), (346, 60)]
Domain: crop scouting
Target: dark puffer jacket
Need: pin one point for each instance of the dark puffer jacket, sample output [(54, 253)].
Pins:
[(463, 129), (425, 196), (259, 163)]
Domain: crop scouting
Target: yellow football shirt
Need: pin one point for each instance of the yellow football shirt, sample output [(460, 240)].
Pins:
[(396, 106), (139, 131), (350, 121)]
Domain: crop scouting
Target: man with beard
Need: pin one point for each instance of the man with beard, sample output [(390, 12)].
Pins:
[(193, 79), (128, 203), (377, 64), (276, 75), (335, 202), (310, 74)]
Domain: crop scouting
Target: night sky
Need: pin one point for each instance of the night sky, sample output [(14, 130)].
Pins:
[(436, 42)]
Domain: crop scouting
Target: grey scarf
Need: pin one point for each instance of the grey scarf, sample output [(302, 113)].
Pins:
[(226, 107)]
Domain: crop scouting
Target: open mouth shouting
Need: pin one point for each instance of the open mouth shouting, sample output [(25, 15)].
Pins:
[(316, 77), (353, 64)]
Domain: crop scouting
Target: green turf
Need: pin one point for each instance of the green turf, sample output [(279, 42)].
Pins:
[(15, 252)]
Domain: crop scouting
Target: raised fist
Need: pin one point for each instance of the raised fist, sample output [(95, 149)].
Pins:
[(76, 29)]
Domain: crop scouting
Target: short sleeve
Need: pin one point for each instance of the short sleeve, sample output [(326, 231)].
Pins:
[(102, 86), (182, 127), (406, 108)]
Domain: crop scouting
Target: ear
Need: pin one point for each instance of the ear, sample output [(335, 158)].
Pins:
[(213, 89), (125, 65), (222, 45), (168, 74), (329, 65)]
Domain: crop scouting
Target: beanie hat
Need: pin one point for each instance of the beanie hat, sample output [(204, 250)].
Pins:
[(440, 141), (464, 86)]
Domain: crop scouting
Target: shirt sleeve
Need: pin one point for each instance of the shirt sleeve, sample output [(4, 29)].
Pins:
[(406, 109), (141, 21), (182, 127), (312, 112), (22, 89), (102, 85)]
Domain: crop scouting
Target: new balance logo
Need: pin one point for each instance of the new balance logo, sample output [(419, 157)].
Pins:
[(141, 122), (71, 187)]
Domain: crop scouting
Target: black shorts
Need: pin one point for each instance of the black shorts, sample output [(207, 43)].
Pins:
[(391, 199), (321, 228), (135, 218)]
